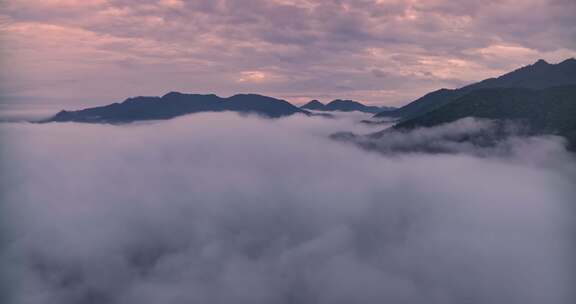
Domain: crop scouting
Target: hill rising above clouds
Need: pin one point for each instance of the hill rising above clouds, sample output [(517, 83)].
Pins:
[(344, 105), (176, 104), (539, 111), (540, 75)]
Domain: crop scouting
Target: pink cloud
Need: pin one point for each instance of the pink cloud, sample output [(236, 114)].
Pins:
[(316, 48)]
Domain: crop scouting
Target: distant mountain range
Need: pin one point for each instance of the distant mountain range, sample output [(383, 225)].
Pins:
[(344, 105), (177, 104), (541, 97), (539, 75), (544, 111)]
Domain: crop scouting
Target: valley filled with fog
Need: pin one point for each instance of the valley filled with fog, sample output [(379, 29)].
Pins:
[(224, 208)]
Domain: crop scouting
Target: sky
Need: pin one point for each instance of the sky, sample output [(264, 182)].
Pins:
[(382, 52)]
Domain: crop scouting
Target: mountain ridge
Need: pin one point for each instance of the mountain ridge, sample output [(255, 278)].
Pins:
[(174, 104), (345, 105), (549, 111), (539, 75)]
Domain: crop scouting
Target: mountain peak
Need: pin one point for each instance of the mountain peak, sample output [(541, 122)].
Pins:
[(251, 96), (341, 105), (541, 62), (172, 94), (314, 105), (344, 102)]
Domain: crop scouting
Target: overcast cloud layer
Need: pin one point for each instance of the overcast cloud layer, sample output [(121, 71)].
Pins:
[(378, 51), (261, 211)]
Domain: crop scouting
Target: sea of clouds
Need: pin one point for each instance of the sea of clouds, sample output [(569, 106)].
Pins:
[(221, 208)]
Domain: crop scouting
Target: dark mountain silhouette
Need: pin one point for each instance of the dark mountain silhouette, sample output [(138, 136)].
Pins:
[(263, 105), (538, 111), (539, 75), (343, 105), (177, 104), (314, 105)]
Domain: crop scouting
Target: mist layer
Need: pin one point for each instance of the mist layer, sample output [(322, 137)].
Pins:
[(219, 208)]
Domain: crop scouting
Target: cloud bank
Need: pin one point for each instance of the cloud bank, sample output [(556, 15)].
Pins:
[(376, 51), (480, 137), (260, 211)]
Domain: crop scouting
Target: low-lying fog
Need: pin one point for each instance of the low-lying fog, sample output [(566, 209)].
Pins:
[(28, 112), (219, 208)]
